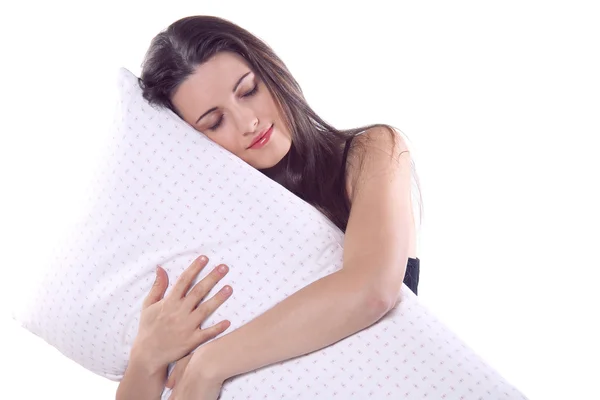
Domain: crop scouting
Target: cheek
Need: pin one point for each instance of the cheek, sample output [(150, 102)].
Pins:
[(225, 141), (267, 103)]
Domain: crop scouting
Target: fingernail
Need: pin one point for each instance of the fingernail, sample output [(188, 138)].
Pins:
[(227, 290), (223, 269), (203, 258)]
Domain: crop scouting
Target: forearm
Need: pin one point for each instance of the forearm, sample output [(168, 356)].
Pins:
[(318, 315), (141, 380)]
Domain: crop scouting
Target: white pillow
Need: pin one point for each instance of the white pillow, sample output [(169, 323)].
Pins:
[(166, 195)]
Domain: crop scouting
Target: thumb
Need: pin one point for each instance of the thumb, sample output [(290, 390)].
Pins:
[(158, 288), (177, 372)]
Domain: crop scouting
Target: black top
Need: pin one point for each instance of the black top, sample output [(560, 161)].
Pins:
[(413, 269)]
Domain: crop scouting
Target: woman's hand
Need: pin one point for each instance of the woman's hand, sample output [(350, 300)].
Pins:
[(177, 372), (170, 327), (197, 380)]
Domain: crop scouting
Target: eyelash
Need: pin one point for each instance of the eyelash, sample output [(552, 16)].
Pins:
[(220, 121)]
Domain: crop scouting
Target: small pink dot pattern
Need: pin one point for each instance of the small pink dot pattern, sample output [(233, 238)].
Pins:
[(166, 194)]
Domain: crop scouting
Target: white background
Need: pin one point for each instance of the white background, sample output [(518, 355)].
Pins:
[(500, 102)]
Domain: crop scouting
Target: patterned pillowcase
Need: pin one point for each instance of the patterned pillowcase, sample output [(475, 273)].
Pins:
[(166, 195)]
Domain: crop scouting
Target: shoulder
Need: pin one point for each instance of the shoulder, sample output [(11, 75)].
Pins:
[(380, 150)]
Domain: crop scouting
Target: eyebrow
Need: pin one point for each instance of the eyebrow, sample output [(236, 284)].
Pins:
[(233, 91)]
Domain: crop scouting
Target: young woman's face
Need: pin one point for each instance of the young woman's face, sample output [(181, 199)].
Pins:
[(225, 100)]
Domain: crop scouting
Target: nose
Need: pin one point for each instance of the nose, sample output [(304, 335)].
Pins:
[(247, 121)]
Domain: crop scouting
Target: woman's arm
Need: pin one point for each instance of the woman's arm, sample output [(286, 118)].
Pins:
[(169, 329), (141, 380), (349, 300)]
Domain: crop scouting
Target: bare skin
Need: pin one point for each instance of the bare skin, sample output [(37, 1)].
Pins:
[(242, 114), (226, 102)]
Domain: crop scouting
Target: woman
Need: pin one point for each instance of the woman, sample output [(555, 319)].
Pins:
[(230, 86)]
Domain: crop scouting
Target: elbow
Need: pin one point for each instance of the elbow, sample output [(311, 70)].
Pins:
[(379, 302), (376, 296)]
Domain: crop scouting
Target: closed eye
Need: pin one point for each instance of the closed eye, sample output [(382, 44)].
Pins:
[(218, 124), (252, 92), (220, 121)]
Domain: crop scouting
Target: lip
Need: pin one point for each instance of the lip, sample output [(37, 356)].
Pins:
[(262, 139)]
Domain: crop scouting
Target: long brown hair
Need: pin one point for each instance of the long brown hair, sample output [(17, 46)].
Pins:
[(313, 169)]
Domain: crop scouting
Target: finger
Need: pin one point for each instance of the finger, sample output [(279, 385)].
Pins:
[(187, 277), (204, 335), (157, 291), (205, 309), (178, 371), (201, 289)]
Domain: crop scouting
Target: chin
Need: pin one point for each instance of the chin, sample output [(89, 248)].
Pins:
[(268, 162), (265, 165)]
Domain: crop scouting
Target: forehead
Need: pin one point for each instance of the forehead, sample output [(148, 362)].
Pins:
[(210, 82), (222, 65)]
